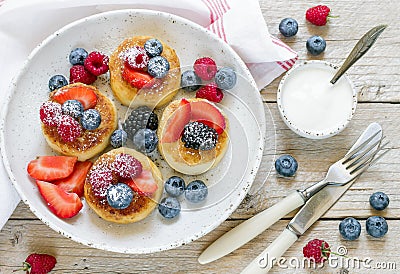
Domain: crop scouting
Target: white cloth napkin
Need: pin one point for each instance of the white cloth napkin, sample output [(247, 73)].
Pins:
[(24, 24)]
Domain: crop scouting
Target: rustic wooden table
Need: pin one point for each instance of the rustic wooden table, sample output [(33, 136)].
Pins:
[(376, 77)]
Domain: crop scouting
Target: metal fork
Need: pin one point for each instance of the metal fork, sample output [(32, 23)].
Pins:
[(344, 171)]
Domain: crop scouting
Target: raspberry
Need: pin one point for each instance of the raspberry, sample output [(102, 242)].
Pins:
[(69, 129), (318, 15), (210, 92), (205, 68), (136, 57), (317, 250), (100, 179), (126, 166), (78, 73), (50, 113), (96, 63)]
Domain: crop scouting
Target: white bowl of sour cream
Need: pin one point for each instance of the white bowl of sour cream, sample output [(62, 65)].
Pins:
[(313, 107)]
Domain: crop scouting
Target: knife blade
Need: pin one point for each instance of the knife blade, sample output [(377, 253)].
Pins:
[(313, 209)]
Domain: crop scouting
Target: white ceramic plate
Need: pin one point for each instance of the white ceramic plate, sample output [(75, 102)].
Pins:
[(22, 139)]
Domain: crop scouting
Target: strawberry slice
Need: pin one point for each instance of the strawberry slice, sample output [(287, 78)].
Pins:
[(137, 79), (176, 123), (50, 168), (208, 114), (83, 94), (75, 181), (60, 202), (144, 185)]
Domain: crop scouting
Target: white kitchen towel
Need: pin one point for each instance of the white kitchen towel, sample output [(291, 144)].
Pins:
[(25, 23)]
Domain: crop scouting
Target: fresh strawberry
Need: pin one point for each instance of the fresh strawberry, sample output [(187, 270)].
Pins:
[(79, 74), (137, 79), (83, 94), (176, 122), (60, 202), (75, 181), (39, 263), (144, 184), (318, 15), (50, 168), (317, 250), (208, 114), (96, 63)]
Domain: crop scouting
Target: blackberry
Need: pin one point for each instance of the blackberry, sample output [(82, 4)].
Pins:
[(141, 117), (197, 135)]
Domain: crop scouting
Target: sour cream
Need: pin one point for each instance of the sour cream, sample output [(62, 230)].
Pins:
[(313, 107)]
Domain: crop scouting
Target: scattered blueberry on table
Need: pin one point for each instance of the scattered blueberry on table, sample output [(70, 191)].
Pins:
[(350, 228), (379, 200), (286, 165), (376, 226), (316, 45), (288, 27)]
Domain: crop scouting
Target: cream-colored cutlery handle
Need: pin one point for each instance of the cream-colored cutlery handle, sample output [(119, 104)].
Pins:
[(249, 229), (264, 262)]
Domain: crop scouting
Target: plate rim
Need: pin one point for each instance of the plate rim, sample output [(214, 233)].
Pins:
[(251, 177)]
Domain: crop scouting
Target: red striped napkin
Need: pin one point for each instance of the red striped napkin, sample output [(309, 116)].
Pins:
[(24, 24)]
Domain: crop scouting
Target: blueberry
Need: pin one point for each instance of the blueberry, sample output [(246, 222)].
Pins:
[(118, 138), (376, 226), (119, 196), (91, 119), (350, 228), (196, 191), (169, 207), (175, 186), (190, 81), (158, 67), (379, 200), (78, 56), (225, 78), (145, 140), (315, 45), (288, 27), (73, 108), (286, 165), (153, 47), (57, 81)]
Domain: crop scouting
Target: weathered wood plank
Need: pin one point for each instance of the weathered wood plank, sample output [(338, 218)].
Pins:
[(376, 75), (20, 237)]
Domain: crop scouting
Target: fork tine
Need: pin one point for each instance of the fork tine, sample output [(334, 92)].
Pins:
[(357, 171), (352, 152), (362, 157)]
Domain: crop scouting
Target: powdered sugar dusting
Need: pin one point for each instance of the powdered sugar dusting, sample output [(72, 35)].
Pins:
[(136, 57), (69, 129), (100, 179), (50, 113), (126, 166)]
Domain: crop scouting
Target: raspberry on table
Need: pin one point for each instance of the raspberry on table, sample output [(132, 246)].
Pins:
[(318, 15), (210, 92), (317, 250), (96, 63), (78, 74), (205, 68)]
